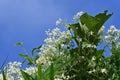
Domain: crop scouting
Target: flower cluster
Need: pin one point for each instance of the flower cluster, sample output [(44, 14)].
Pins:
[(31, 70), (95, 68), (113, 37), (13, 71), (56, 43), (61, 77), (87, 45), (98, 70)]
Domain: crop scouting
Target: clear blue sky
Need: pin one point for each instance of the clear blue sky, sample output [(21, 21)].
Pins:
[(27, 20)]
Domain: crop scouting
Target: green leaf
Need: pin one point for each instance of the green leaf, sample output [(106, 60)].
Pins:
[(29, 59), (89, 21), (100, 53), (4, 63), (19, 44), (85, 44), (60, 66), (35, 49), (4, 75), (51, 72), (102, 17), (47, 71), (22, 55), (26, 76), (37, 57), (40, 74), (80, 30), (75, 28), (95, 23), (57, 66)]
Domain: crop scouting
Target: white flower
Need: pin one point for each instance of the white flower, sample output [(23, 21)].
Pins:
[(82, 57), (104, 70), (118, 46), (93, 58), (61, 22), (31, 70), (61, 77), (112, 27), (91, 46), (101, 30), (87, 45), (91, 32), (92, 64), (89, 72), (77, 16), (92, 71), (1, 77)]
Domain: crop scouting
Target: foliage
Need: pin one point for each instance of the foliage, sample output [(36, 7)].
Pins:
[(72, 54), (87, 31)]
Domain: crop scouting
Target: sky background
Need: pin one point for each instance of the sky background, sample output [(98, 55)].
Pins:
[(27, 20)]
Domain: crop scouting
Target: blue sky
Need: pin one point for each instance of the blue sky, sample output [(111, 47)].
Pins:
[(27, 20)]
